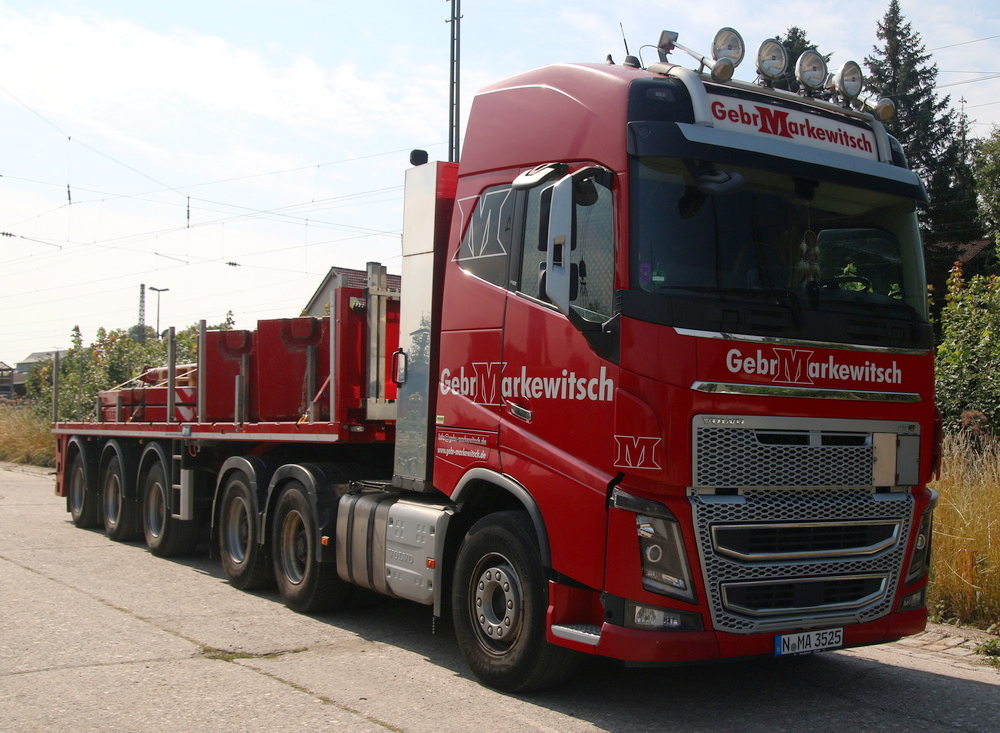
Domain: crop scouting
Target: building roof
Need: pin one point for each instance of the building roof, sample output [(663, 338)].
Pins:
[(342, 277)]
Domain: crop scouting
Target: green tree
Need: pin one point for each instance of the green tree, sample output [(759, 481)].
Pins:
[(900, 69), (934, 138), (986, 170), (112, 360), (968, 359)]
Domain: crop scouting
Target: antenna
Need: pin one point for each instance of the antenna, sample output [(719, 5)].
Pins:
[(624, 39)]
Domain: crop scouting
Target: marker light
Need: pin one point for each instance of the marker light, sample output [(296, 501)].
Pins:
[(772, 60), (728, 44), (849, 80), (811, 70)]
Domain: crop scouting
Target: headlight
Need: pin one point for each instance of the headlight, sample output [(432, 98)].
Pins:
[(665, 568)]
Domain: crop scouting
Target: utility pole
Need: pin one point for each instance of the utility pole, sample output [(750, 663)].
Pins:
[(456, 38), (142, 308)]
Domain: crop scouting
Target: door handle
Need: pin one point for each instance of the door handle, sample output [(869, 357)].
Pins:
[(519, 412)]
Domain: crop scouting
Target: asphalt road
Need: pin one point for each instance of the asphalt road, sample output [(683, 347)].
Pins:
[(101, 636)]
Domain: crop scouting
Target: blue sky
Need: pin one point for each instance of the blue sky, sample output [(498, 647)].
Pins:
[(284, 127)]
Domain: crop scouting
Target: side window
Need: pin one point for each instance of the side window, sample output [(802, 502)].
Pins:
[(536, 227), (592, 255), (485, 248)]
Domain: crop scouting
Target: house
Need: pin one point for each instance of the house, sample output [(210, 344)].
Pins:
[(341, 277), (23, 368)]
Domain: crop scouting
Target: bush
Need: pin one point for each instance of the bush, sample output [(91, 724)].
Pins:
[(25, 436), (968, 359)]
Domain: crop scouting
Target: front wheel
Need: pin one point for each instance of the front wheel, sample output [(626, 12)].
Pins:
[(166, 536), (498, 607), (306, 585)]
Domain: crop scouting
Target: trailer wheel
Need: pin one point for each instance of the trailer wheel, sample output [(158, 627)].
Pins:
[(306, 585), (245, 560), (117, 510), (82, 500), (165, 535), (499, 599)]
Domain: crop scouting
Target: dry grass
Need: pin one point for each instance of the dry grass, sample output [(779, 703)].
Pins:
[(965, 572), (25, 437)]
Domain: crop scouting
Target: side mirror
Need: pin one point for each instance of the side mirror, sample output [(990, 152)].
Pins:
[(558, 273)]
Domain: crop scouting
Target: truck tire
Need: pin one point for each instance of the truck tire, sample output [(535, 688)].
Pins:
[(82, 500), (118, 511), (499, 601), (165, 535), (245, 560), (306, 585)]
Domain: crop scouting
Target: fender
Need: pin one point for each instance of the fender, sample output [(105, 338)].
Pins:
[(258, 472), (127, 459), (320, 481), (463, 492)]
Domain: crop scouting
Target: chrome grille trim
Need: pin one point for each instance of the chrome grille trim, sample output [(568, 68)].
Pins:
[(835, 607), (815, 393), (890, 535)]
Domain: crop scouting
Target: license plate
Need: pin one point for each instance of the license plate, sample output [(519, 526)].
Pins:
[(808, 642)]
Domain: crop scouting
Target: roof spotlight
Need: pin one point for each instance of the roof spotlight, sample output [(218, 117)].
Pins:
[(811, 70), (772, 60), (849, 80), (727, 52), (728, 44)]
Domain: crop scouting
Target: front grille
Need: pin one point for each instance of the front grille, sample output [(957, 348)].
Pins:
[(791, 529), (738, 588), (750, 456)]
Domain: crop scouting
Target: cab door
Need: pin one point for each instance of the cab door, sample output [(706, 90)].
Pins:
[(559, 365)]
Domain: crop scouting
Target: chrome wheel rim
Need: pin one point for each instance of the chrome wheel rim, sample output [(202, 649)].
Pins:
[(237, 530), (497, 603), (156, 507)]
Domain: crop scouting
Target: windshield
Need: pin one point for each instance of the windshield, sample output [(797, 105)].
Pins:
[(752, 234)]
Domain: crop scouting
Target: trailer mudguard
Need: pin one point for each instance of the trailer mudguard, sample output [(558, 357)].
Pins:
[(324, 483)]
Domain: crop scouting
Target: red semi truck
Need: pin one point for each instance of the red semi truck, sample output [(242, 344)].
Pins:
[(658, 387)]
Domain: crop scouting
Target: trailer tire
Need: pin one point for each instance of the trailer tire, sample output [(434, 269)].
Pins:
[(245, 559), (499, 601), (306, 585), (118, 511), (83, 501), (166, 536)]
